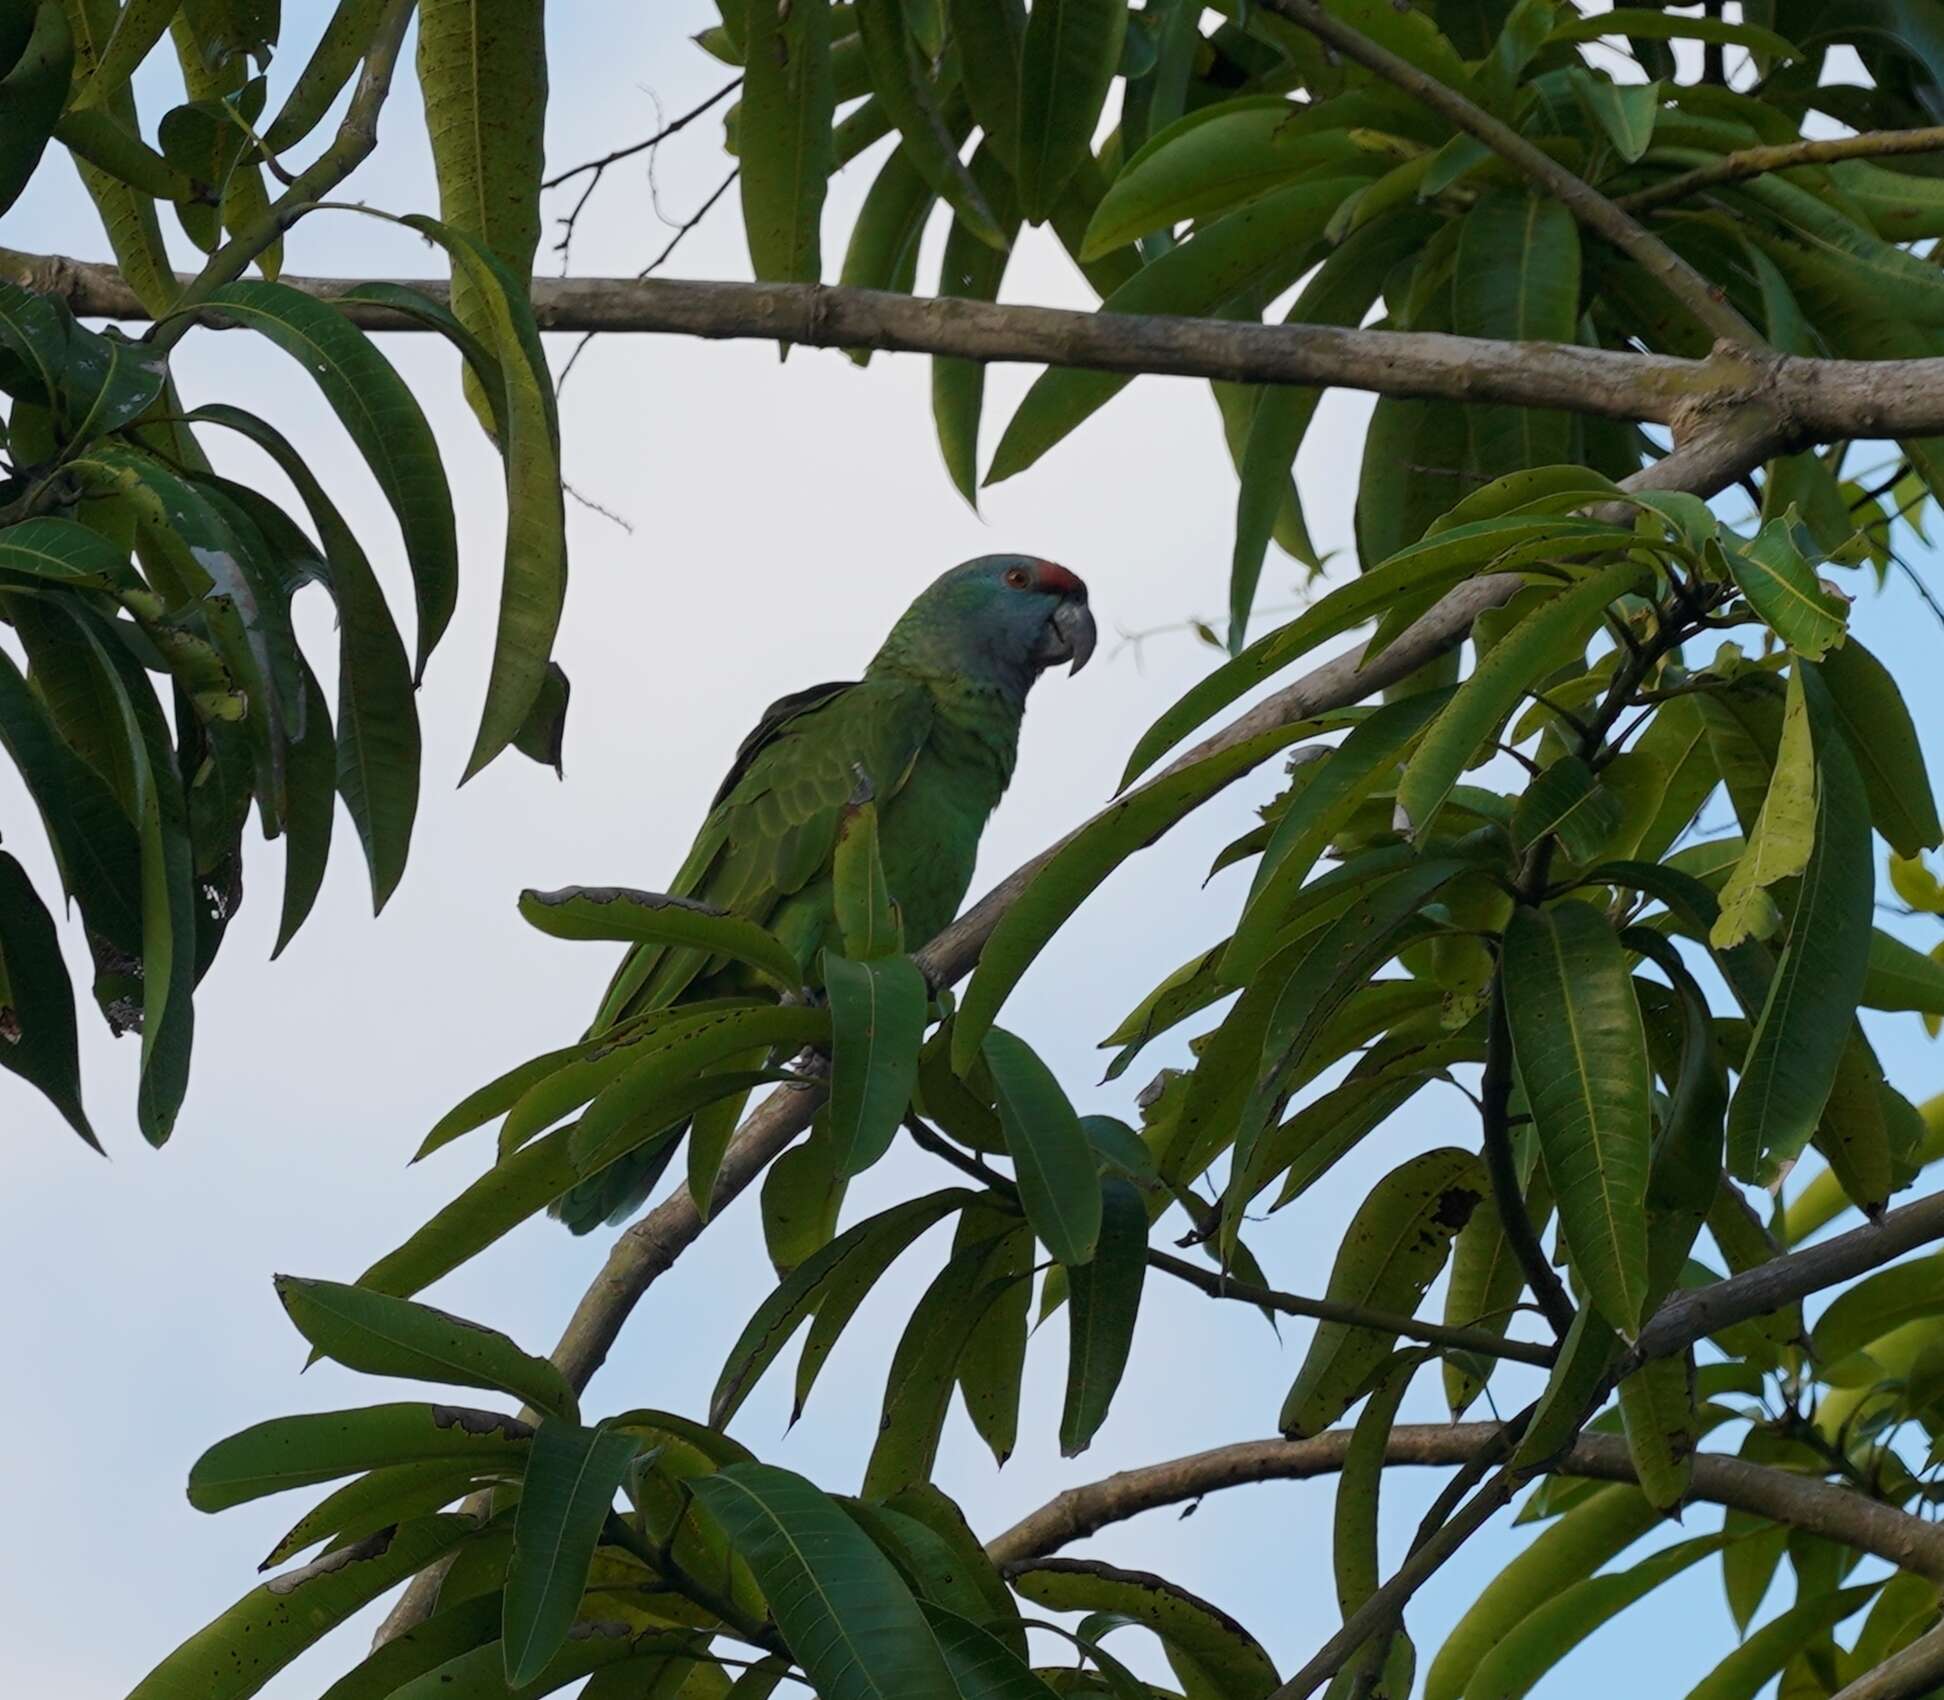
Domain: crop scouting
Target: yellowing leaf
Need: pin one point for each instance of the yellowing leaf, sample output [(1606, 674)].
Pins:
[(1778, 849)]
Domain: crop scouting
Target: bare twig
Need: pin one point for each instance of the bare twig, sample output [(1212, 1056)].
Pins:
[(597, 166), (1744, 163), (1707, 304)]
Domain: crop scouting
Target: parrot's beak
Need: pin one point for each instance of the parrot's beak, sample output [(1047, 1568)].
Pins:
[(1069, 635)]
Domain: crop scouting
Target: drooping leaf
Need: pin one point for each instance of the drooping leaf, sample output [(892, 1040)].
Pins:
[(1582, 1055), (1804, 1023), (1778, 848), (1748, 1669), (1393, 1250), (32, 93), (784, 141), (384, 421), (839, 1604), (1104, 1299), (568, 1490), (877, 1021), (1876, 721), (829, 1285), (1783, 589), (1058, 1185), (1067, 63), (37, 1033)]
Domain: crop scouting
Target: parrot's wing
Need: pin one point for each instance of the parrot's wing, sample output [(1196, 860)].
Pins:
[(774, 824)]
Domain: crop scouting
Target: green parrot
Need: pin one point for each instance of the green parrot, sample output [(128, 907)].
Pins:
[(934, 727)]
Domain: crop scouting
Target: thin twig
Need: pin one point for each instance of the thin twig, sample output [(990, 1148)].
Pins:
[(1756, 162)]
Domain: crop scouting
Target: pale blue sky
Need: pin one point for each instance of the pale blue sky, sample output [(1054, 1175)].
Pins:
[(783, 514)]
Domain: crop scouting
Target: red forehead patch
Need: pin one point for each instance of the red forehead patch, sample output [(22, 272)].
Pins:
[(1055, 580)]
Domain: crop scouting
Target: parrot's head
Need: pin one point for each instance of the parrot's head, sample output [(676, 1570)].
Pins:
[(1007, 617)]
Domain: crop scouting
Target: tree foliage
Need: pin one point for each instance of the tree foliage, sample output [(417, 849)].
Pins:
[(1494, 870)]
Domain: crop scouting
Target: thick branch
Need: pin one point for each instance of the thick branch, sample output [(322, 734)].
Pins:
[(1811, 400), (1802, 1502), (1708, 305), (1917, 1669), (1756, 162)]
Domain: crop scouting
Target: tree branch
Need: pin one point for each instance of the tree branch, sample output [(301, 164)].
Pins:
[(1756, 162), (1802, 1502), (1805, 400), (1707, 304), (1917, 1669)]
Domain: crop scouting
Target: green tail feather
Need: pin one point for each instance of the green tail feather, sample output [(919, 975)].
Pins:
[(611, 1195)]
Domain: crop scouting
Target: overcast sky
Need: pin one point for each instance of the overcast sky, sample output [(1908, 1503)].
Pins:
[(782, 515)]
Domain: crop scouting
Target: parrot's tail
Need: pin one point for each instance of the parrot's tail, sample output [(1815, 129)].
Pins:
[(611, 1195)]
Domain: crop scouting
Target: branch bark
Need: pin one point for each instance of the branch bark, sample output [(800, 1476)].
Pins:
[(1802, 1502), (1707, 304)]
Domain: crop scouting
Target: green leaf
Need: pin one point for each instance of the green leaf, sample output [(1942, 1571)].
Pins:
[(384, 421), (983, 1667), (1805, 1021), (1783, 589), (32, 94), (1605, 1523), (1518, 278), (924, 1368), (1534, 646), (1778, 848), (1748, 1669), (1876, 722), (1487, 1278), (1214, 1657), (992, 1363), (1058, 1185), (839, 1604), (1340, 293), (971, 269), (501, 1199), (1078, 866), (1649, 25), (572, 1476), (877, 1022), (904, 87), (1392, 1251), (377, 1334), (1902, 978), (867, 917), (1105, 1298), (1582, 1055), (241, 1650), (1067, 63), (93, 839), (989, 35), (662, 1089), (293, 1452), (378, 744), (472, 1623), (609, 912), (1255, 253), (37, 1033), (1861, 1315), (1427, 569), (829, 1285), (783, 142), (1567, 802), (1625, 112), (1525, 1656), (370, 1502), (533, 584), (1317, 813)]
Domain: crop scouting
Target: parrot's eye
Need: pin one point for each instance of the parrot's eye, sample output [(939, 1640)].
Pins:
[(1017, 578)]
